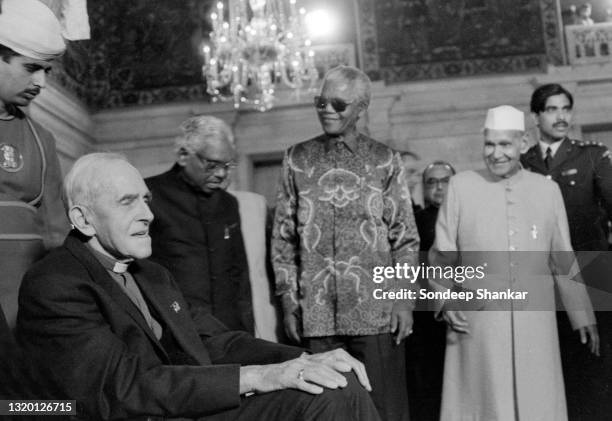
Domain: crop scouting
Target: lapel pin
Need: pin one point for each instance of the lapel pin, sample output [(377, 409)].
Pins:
[(176, 307), (534, 232)]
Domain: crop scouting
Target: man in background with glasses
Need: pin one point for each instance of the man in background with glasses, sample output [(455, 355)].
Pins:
[(343, 209), (196, 231), (425, 347)]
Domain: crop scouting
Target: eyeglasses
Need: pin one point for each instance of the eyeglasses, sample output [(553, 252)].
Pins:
[(212, 165), (432, 182), (339, 105)]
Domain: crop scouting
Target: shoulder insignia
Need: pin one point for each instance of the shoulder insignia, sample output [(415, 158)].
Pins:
[(584, 143)]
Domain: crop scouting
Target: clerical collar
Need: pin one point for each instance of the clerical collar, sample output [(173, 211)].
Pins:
[(109, 263)]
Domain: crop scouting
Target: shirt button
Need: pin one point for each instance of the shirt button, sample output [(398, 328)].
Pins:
[(511, 248), (549, 177)]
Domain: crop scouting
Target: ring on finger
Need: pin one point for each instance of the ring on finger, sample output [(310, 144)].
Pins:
[(300, 375)]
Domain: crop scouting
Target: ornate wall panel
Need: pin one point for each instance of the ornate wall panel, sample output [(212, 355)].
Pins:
[(146, 51), (425, 39)]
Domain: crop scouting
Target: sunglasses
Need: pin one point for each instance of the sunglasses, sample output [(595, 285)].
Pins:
[(339, 105)]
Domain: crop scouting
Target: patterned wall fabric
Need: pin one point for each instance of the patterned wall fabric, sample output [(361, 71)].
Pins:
[(426, 39), (141, 52), (146, 51)]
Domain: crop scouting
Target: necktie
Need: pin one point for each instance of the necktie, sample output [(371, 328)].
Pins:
[(548, 159)]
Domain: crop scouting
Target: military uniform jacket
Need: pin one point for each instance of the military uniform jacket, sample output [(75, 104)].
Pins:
[(584, 174)]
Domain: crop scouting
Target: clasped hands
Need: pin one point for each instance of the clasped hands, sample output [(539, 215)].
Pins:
[(309, 373)]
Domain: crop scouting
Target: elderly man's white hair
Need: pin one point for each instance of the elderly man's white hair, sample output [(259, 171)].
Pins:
[(358, 81), (201, 130), (85, 179)]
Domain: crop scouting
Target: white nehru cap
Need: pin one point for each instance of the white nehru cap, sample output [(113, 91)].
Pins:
[(30, 28), (505, 117)]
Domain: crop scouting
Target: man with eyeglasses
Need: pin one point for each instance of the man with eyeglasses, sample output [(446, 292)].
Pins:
[(196, 231), (425, 347), (435, 184), (343, 209)]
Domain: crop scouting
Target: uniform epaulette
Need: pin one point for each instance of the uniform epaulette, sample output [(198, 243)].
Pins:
[(585, 143)]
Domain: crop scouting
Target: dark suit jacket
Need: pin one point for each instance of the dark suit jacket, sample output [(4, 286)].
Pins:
[(94, 341), (197, 237), (584, 174)]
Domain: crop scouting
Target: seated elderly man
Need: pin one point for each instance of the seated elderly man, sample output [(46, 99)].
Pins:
[(113, 328)]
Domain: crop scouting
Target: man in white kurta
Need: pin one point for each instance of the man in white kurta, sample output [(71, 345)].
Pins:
[(502, 357)]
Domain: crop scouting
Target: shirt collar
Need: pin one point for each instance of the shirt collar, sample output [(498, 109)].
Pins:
[(554, 147), (109, 263), (349, 141)]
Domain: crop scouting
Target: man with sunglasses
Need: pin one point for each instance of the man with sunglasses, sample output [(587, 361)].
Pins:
[(343, 209), (196, 232)]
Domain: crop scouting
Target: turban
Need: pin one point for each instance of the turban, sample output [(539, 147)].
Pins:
[(30, 28), (505, 117)]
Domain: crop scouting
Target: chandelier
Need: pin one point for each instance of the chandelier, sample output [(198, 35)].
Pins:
[(254, 46)]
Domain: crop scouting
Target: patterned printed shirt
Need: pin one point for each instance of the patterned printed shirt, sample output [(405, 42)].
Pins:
[(343, 208)]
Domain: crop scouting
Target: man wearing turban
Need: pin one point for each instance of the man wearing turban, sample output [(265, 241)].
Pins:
[(31, 214)]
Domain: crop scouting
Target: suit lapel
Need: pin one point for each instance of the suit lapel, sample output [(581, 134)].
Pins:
[(562, 153), (172, 310), (533, 159), (101, 277)]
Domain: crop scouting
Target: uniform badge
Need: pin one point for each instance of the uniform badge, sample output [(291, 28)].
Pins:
[(572, 171), (11, 159), (176, 307)]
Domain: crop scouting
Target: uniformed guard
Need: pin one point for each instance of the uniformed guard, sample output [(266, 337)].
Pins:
[(583, 171), (31, 213)]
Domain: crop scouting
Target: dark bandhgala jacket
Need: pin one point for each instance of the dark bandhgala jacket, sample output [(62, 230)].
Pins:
[(93, 340), (197, 237)]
